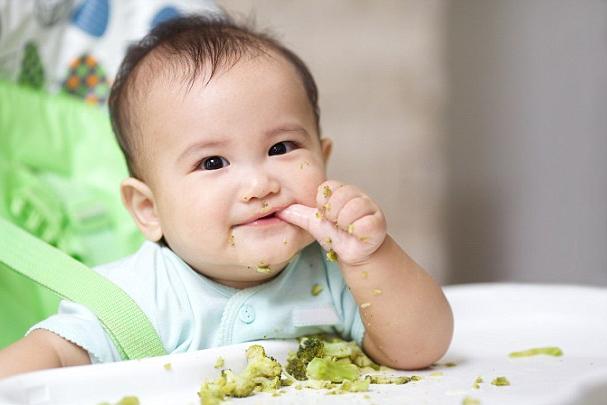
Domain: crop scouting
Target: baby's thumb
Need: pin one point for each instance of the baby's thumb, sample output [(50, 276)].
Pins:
[(308, 219), (298, 214)]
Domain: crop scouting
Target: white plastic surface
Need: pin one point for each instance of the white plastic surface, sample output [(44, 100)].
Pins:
[(492, 320)]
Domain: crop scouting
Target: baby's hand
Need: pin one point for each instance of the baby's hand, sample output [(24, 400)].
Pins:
[(346, 221)]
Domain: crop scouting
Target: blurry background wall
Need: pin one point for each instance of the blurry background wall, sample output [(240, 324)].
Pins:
[(480, 127), (380, 71), (527, 140)]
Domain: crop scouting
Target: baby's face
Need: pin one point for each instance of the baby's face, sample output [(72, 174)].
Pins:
[(221, 159)]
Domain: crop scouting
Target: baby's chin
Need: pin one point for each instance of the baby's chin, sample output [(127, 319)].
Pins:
[(251, 275), (274, 255)]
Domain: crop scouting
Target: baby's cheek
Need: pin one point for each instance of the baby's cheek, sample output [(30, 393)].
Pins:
[(309, 188)]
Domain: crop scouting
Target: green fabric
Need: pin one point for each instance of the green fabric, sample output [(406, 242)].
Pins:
[(60, 170), (128, 326)]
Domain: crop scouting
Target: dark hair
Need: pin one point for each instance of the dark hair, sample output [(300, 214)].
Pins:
[(210, 41)]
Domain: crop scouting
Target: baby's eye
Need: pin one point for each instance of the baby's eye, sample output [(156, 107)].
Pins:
[(214, 163), (282, 147)]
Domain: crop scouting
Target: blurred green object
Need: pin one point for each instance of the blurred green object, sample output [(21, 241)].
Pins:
[(60, 170)]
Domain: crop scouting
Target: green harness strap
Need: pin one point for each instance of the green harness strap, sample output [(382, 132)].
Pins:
[(129, 328)]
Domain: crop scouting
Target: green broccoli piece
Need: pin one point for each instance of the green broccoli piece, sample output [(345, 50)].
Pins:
[(353, 386), (470, 401), (128, 400), (262, 374), (549, 351), (349, 386), (260, 365), (309, 348), (296, 368), (385, 379), (331, 370), (500, 381), (338, 349)]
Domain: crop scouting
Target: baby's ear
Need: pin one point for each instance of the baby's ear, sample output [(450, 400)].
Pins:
[(326, 146), (139, 201)]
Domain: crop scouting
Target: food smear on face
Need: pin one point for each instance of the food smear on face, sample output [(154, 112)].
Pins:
[(376, 291), (548, 351), (265, 269), (365, 305), (351, 229), (326, 191), (265, 206)]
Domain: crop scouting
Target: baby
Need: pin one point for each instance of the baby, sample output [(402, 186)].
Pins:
[(246, 237)]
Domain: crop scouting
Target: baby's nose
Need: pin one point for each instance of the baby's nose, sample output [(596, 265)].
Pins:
[(259, 185)]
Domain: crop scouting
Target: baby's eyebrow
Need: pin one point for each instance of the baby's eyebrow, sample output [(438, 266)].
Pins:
[(287, 128), (201, 145)]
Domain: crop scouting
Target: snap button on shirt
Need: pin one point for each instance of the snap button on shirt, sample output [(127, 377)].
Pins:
[(246, 314)]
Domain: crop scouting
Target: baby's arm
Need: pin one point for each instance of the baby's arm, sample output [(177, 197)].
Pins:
[(407, 319), (40, 349)]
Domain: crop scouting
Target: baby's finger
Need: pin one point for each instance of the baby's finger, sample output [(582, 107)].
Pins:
[(370, 229), (308, 219), (353, 210), (325, 192), (338, 200)]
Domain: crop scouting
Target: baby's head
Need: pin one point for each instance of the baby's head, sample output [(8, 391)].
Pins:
[(220, 129)]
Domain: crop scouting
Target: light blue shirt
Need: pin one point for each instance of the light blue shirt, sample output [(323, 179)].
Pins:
[(191, 312)]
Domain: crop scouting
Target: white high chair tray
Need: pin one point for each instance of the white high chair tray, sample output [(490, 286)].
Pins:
[(491, 320)]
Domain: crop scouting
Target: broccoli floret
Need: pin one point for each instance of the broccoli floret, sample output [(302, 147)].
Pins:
[(331, 370), (296, 368), (262, 374), (309, 348), (260, 365)]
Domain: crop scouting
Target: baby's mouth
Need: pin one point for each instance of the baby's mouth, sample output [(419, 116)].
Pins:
[(272, 215), (265, 220)]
